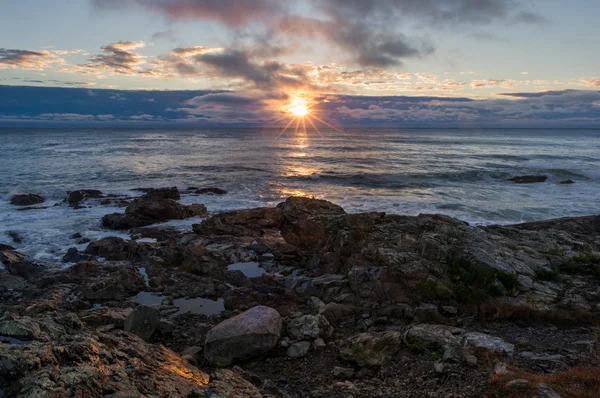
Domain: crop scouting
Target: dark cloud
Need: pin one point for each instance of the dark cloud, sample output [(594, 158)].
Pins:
[(35, 105), (25, 59), (117, 58)]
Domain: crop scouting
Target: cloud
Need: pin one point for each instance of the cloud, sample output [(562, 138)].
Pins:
[(370, 33), (168, 35), (234, 13), (28, 60), (116, 58)]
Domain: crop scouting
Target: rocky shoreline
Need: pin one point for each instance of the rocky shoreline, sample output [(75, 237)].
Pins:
[(305, 300)]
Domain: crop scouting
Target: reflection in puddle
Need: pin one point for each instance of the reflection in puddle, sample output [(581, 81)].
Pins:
[(250, 270), (12, 340), (197, 305), (142, 271)]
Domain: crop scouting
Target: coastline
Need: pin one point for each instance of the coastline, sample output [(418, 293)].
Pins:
[(349, 295)]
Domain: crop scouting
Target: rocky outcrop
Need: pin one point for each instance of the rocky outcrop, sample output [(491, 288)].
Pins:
[(26, 199), (155, 206), (244, 336), (211, 191), (143, 321), (74, 198), (17, 263), (251, 222), (528, 179)]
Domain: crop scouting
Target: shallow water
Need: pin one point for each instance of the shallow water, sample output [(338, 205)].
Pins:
[(250, 270), (196, 305), (461, 173)]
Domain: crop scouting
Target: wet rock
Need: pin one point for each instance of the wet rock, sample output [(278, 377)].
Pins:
[(198, 210), (528, 179), (162, 193), (74, 198), (308, 327), (372, 349), (211, 191), (567, 182), (15, 236), (111, 248), (318, 344), (26, 200), (16, 263), (298, 350), (153, 207), (244, 336), (73, 255), (143, 321)]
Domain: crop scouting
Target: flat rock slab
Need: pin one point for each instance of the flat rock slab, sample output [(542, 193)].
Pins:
[(244, 336)]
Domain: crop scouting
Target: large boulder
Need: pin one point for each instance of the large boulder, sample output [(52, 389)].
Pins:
[(305, 221), (26, 199), (17, 264), (244, 336)]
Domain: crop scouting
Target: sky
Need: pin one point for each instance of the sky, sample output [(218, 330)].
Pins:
[(456, 63)]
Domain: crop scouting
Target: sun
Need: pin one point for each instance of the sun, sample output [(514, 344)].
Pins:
[(298, 107)]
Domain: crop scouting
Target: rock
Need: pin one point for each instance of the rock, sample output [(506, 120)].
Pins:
[(528, 179), (198, 210), (22, 328), (192, 354), (487, 343), (26, 200), (252, 222), (11, 282), (153, 207), (162, 193), (211, 191), (16, 263), (372, 349), (106, 316), (315, 303), (439, 335), (305, 222), (229, 384), (111, 248), (244, 336), (82, 362), (517, 384), (308, 327), (335, 312), (73, 256), (299, 349), (566, 182), (74, 198), (319, 344), (143, 321), (15, 236), (343, 373), (546, 392), (438, 367), (500, 368)]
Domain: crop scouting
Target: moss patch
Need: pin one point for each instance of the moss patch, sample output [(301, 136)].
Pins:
[(475, 283)]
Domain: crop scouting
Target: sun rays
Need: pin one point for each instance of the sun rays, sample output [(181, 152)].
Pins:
[(301, 111)]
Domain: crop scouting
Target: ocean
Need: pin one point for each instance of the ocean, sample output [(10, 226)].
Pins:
[(460, 173)]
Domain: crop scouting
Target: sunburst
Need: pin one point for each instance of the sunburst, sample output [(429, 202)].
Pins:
[(301, 111)]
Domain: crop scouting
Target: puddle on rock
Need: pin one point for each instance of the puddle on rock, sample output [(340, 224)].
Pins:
[(12, 340), (144, 273), (250, 270), (196, 305)]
